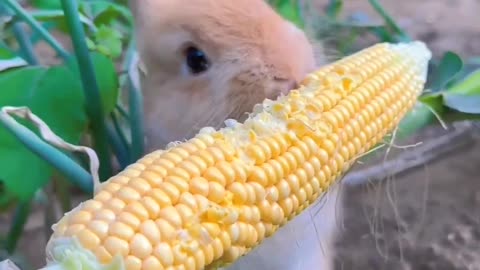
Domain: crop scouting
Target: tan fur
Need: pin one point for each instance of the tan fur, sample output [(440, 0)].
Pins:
[(255, 54)]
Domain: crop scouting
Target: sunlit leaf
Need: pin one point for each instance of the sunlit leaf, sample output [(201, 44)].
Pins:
[(108, 41), (464, 103), (469, 85)]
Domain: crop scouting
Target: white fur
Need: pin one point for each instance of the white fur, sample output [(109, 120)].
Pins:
[(305, 243)]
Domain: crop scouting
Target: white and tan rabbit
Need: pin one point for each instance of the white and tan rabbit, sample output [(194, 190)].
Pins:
[(209, 60)]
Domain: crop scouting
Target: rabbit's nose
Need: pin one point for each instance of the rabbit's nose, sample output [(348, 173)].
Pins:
[(281, 86), (288, 85)]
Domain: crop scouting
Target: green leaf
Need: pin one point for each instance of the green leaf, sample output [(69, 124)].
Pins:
[(423, 114), (105, 12), (419, 117), (50, 4), (46, 4), (8, 59), (107, 79), (109, 41), (6, 53), (450, 65), (469, 85), (462, 102), (55, 95)]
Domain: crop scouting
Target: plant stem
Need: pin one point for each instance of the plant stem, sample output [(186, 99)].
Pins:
[(388, 19), (119, 131), (25, 44), (17, 226), (62, 190), (49, 217), (20, 12), (123, 112), (50, 154), (136, 121), (121, 152), (90, 86), (135, 99)]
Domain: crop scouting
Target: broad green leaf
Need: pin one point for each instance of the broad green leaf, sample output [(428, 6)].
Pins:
[(450, 65), (462, 102), (53, 94), (107, 79), (469, 85)]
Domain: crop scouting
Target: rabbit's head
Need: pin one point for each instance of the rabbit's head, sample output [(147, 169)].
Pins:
[(209, 60)]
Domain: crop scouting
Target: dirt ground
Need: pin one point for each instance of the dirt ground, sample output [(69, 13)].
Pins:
[(425, 219), (429, 218)]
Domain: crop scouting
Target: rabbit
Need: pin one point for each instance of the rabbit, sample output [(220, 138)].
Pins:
[(205, 61)]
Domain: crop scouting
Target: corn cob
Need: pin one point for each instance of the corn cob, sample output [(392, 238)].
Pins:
[(203, 203)]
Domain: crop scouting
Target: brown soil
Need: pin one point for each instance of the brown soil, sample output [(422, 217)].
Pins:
[(425, 219), (428, 218)]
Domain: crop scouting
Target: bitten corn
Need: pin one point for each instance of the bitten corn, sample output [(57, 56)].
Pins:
[(203, 203)]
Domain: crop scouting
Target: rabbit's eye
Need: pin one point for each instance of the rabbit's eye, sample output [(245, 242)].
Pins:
[(197, 61)]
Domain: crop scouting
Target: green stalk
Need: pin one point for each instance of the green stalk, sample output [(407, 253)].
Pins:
[(119, 131), (25, 44), (50, 154), (62, 188), (90, 86), (388, 19), (20, 12), (19, 220), (135, 99), (136, 121), (49, 217), (123, 112), (121, 152)]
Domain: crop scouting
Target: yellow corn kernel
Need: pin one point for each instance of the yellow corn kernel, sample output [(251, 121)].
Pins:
[(204, 203)]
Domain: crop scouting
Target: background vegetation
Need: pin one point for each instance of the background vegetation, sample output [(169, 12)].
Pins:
[(87, 96)]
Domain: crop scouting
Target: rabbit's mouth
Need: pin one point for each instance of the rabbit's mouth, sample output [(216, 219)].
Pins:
[(282, 86)]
